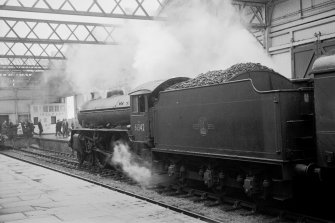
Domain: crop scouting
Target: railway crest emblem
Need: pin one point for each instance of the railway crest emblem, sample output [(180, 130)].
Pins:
[(203, 125)]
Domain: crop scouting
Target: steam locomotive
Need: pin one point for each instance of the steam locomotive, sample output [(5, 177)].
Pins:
[(257, 132)]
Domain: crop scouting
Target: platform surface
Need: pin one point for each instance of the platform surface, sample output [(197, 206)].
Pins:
[(52, 137), (32, 194)]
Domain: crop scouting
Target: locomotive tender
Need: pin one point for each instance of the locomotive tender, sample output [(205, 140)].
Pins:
[(256, 132)]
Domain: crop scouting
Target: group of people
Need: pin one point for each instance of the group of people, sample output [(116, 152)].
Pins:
[(10, 131), (62, 128)]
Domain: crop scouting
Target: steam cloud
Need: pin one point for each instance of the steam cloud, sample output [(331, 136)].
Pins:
[(123, 157), (197, 36)]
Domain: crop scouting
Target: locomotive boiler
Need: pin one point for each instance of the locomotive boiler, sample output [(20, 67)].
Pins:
[(247, 128), (106, 112)]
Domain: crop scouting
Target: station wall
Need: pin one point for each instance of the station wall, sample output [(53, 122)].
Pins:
[(295, 24), (48, 114), (15, 103)]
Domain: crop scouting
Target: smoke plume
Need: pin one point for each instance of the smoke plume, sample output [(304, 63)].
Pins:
[(196, 37), (124, 158)]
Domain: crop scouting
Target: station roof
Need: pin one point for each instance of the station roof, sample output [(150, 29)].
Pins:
[(30, 68), (158, 85)]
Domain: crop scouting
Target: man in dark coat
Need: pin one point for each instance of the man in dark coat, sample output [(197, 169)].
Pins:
[(28, 131), (4, 128), (12, 133), (65, 126), (3, 135), (40, 128), (58, 128)]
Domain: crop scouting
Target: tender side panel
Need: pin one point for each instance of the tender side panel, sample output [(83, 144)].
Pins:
[(230, 120)]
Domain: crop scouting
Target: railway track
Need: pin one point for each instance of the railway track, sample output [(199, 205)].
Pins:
[(231, 203), (69, 161), (226, 203)]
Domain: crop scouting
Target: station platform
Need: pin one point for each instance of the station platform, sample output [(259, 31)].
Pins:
[(47, 142), (51, 142), (32, 194), (52, 137)]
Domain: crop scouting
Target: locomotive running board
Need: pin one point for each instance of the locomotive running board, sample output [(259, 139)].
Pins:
[(222, 156), (101, 130)]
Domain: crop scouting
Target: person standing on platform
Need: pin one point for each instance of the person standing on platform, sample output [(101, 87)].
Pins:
[(4, 128), (65, 126), (40, 128), (19, 129), (29, 130), (71, 129), (25, 132), (58, 127), (12, 133)]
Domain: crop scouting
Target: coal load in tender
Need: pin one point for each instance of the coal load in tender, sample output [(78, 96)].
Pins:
[(220, 76)]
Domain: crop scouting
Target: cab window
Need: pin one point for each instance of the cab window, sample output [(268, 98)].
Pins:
[(138, 103)]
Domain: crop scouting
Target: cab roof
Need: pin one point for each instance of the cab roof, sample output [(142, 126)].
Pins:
[(156, 86), (324, 64)]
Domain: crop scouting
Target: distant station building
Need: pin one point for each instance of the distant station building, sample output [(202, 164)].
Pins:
[(48, 114)]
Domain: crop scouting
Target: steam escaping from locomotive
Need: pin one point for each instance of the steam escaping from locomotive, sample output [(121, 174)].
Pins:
[(124, 158), (196, 36)]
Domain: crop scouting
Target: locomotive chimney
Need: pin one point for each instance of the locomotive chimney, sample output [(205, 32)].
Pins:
[(95, 95), (114, 93)]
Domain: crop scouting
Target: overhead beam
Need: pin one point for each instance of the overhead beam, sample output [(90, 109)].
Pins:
[(24, 44), (55, 32), (255, 16), (252, 13), (22, 68), (123, 9), (32, 57), (14, 49), (27, 52)]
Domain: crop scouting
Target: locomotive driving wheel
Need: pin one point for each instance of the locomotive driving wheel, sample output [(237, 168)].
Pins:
[(80, 158), (101, 160), (90, 159), (86, 153)]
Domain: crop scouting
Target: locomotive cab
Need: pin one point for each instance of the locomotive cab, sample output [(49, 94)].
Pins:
[(142, 101), (324, 82), (140, 117)]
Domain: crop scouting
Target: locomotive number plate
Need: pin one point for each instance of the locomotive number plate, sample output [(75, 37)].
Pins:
[(139, 127)]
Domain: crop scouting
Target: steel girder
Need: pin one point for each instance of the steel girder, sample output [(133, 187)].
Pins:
[(23, 64), (12, 49), (36, 50), (124, 9), (255, 15), (25, 49), (22, 38), (55, 32), (31, 50), (19, 79)]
